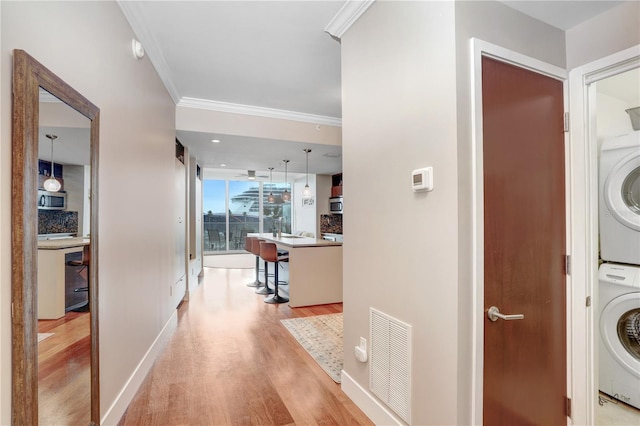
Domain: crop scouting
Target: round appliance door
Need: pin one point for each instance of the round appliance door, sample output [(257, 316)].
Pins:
[(620, 330), (622, 191)]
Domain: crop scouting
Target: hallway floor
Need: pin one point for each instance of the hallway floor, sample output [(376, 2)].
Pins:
[(231, 362)]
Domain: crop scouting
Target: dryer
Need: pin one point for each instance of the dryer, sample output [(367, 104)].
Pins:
[(619, 199), (619, 327)]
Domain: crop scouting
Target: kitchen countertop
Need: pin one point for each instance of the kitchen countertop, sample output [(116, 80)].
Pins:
[(62, 243), (295, 241)]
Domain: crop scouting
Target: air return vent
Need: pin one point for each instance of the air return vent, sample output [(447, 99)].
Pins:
[(390, 363)]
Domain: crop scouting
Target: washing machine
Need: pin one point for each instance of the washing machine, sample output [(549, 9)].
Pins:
[(619, 327), (619, 199)]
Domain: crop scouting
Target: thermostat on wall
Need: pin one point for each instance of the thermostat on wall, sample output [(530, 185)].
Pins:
[(422, 179)]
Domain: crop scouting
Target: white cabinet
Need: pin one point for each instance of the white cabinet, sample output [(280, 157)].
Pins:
[(195, 224), (180, 205)]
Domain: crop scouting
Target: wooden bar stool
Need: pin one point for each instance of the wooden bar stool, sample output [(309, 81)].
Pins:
[(269, 253), (255, 249), (247, 247)]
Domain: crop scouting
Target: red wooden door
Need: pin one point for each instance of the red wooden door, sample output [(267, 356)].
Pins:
[(524, 246)]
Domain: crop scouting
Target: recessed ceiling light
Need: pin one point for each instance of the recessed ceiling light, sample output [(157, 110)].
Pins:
[(215, 140), (223, 165)]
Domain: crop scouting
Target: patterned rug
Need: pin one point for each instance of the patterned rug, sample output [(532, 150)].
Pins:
[(321, 337)]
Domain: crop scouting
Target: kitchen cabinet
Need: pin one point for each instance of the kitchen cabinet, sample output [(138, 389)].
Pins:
[(51, 274), (336, 185), (44, 172), (179, 287), (195, 224), (315, 269)]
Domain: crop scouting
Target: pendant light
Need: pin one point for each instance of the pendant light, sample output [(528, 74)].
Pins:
[(286, 196), (52, 184), (271, 199), (306, 193)]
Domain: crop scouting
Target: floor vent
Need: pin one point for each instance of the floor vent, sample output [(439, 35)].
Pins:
[(390, 364)]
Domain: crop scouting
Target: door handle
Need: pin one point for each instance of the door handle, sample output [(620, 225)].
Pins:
[(494, 314)]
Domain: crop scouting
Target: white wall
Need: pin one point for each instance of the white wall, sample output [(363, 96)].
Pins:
[(305, 217), (88, 45), (611, 117), (612, 31), (495, 23), (406, 104), (399, 114), (74, 184)]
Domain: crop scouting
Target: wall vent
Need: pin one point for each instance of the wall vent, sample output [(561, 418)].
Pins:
[(390, 362)]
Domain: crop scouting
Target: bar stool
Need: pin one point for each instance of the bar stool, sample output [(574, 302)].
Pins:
[(83, 264), (255, 249), (269, 253), (247, 247)]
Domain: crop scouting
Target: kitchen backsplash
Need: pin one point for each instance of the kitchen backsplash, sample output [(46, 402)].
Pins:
[(331, 223), (57, 222)]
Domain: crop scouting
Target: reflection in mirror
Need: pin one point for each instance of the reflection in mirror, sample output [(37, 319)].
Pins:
[(64, 343), (42, 258)]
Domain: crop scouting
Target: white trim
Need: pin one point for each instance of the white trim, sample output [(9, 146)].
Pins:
[(115, 412), (584, 177), (346, 16), (369, 405), (134, 15), (258, 111), (478, 49)]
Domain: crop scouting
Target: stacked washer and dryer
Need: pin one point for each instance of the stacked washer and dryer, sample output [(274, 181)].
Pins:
[(619, 276)]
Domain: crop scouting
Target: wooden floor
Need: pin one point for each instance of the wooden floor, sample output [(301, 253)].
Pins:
[(64, 380), (231, 362)]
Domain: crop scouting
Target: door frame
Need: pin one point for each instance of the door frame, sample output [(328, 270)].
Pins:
[(478, 49), (584, 177)]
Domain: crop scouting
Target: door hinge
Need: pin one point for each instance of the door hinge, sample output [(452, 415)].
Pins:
[(588, 301), (567, 264), (568, 407), (566, 122)]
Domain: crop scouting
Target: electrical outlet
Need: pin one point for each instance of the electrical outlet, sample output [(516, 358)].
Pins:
[(363, 343), (361, 351)]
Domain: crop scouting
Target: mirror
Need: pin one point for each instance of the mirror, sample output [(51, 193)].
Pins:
[(30, 79)]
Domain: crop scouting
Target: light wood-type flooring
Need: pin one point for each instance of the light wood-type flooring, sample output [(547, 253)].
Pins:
[(64, 387), (231, 362)]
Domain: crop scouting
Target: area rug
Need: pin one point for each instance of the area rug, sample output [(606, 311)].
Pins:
[(230, 261), (321, 337), (42, 336)]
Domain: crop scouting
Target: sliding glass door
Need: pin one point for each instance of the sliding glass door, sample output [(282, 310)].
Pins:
[(232, 209)]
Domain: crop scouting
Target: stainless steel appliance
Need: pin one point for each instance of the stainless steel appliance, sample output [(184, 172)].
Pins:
[(52, 200), (333, 237), (335, 205)]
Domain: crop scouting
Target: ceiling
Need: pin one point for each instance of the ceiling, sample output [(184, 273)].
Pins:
[(272, 54)]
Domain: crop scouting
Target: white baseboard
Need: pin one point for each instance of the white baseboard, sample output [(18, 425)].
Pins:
[(121, 403), (377, 413)]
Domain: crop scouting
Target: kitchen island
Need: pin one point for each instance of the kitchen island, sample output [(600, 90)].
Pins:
[(51, 274), (315, 269)]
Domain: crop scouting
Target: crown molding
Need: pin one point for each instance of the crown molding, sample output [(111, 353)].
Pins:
[(346, 16), (135, 17), (258, 111)]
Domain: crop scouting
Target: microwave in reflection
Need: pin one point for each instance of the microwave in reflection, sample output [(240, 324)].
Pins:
[(335, 205), (52, 200)]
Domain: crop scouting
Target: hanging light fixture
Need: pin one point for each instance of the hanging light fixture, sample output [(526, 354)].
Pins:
[(271, 199), (306, 193), (286, 196), (52, 184)]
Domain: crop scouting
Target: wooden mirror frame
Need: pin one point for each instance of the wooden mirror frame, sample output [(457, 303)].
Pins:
[(28, 76)]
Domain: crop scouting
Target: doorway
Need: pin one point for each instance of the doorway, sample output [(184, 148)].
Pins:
[(524, 246), (498, 271)]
